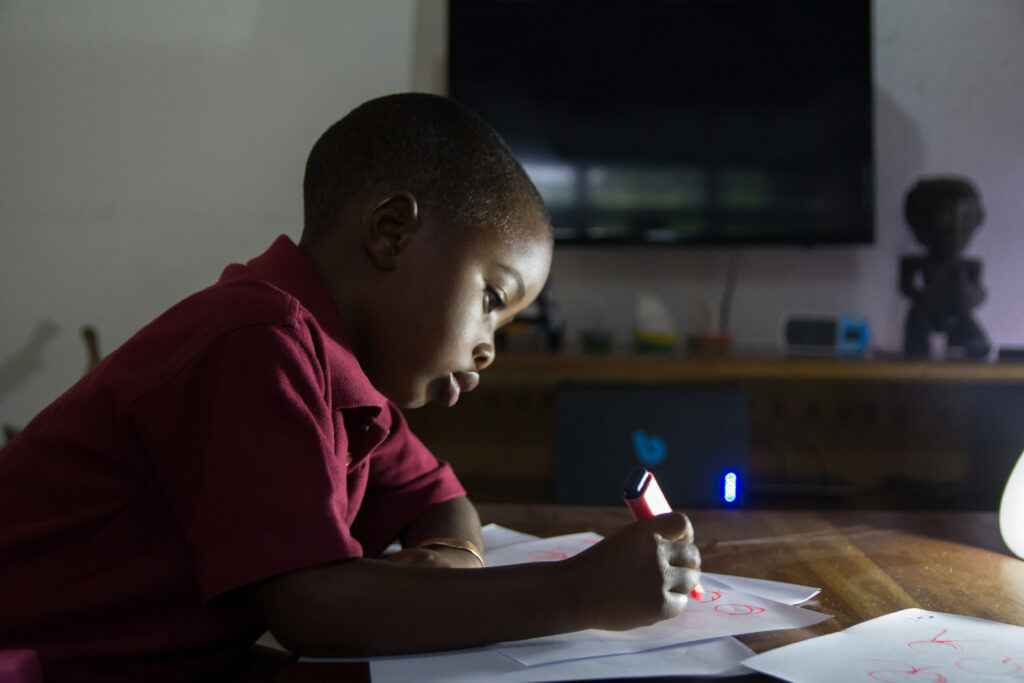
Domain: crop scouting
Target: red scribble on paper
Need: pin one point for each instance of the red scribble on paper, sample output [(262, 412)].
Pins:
[(738, 610), (545, 555), (926, 645), (565, 548), (989, 666), (710, 596), (909, 672)]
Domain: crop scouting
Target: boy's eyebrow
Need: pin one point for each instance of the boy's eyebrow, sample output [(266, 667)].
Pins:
[(514, 274)]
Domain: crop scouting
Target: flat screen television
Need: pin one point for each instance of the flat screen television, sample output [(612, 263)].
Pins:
[(680, 121)]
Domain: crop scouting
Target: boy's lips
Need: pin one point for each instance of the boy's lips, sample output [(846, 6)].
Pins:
[(457, 382)]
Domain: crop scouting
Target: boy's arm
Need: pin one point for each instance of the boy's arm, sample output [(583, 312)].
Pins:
[(454, 519), (372, 607)]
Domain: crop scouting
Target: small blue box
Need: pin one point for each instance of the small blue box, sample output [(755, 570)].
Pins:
[(852, 336)]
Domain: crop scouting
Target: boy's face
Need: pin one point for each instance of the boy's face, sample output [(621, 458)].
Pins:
[(433, 327)]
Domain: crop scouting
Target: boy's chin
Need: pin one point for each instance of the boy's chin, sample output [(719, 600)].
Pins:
[(407, 400), (405, 397), (444, 391), (412, 404)]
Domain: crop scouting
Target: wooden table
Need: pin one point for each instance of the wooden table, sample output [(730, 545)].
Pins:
[(866, 563)]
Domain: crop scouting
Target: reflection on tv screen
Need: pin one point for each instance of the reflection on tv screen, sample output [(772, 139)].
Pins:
[(680, 121)]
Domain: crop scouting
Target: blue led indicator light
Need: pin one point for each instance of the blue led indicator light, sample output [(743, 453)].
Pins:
[(729, 489)]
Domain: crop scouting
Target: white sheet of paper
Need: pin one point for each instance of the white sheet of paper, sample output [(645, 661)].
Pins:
[(724, 611), (497, 536), (715, 658), (721, 613), (910, 645), (787, 593), (541, 549)]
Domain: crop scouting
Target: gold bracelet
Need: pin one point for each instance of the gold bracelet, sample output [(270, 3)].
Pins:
[(456, 543)]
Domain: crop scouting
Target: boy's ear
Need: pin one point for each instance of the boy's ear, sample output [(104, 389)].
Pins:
[(389, 225)]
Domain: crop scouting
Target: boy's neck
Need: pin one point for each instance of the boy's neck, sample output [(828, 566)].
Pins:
[(340, 273)]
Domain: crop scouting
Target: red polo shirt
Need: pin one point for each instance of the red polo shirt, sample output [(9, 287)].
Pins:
[(232, 439)]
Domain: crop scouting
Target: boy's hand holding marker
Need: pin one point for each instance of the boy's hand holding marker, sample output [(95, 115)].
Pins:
[(645, 499), (643, 573)]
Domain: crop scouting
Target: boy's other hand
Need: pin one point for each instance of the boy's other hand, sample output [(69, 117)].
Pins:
[(641, 574), (436, 557)]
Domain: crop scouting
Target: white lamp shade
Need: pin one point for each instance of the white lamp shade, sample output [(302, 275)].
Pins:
[(1011, 510)]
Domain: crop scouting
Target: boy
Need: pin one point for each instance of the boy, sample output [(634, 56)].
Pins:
[(239, 463)]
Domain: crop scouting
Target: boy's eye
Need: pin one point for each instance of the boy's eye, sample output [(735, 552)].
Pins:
[(493, 300)]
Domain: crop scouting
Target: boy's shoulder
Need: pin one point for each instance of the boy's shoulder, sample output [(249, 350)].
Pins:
[(274, 304), (239, 299), (241, 303)]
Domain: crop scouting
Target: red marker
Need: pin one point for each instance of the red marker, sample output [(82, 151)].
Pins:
[(644, 498)]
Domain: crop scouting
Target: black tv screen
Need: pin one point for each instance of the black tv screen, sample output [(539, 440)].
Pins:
[(680, 121)]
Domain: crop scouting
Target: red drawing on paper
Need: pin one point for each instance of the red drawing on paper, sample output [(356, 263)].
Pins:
[(730, 609), (937, 645), (989, 666), (710, 596), (908, 672), (738, 610), (565, 548)]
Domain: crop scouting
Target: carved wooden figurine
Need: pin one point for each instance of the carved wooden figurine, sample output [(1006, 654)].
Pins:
[(943, 287)]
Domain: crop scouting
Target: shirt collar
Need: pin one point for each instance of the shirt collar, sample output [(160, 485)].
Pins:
[(286, 267)]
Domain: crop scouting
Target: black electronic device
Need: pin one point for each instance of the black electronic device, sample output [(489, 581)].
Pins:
[(680, 121), (693, 439), (840, 335)]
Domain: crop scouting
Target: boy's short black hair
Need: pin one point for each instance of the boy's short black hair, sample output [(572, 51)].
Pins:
[(449, 158)]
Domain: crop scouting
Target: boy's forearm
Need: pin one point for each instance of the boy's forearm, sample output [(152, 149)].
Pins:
[(456, 518), (638, 575), (374, 607), (370, 607)]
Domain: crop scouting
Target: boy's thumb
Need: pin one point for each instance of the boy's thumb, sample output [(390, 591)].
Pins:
[(674, 526)]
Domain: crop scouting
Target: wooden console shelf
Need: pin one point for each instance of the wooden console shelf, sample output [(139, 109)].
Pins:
[(556, 368), (823, 431)]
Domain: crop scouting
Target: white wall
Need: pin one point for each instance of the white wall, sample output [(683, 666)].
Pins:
[(144, 145)]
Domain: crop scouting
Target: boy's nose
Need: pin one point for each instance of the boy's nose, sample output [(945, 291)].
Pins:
[(483, 355)]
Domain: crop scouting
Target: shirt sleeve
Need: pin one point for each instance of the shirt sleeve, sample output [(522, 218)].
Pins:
[(404, 480), (246, 449)]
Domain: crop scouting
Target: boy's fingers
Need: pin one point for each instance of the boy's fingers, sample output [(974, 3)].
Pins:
[(674, 526), (684, 581), (675, 603), (682, 554)]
